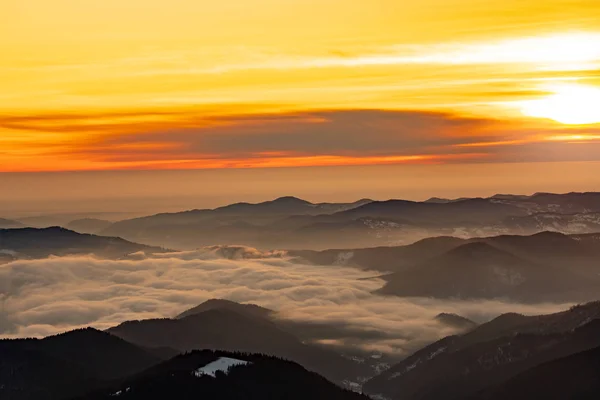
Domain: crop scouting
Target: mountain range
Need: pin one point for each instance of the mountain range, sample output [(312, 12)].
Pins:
[(217, 325), (547, 266), (544, 267), (551, 356), (293, 223), (89, 364), (56, 241), (487, 361)]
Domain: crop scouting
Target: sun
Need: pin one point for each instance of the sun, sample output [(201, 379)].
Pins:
[(569, 104)]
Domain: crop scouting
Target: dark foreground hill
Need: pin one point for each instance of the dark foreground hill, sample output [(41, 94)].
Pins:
[(225, 376), (89, 364), (66, 365), (236, 327), (486, 358), (574, 377)]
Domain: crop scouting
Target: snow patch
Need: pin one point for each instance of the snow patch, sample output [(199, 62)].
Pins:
[(222, 364)]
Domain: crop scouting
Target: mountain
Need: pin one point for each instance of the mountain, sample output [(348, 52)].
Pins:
[(88, 225), (63, 219), (458, 367), (225, 329), (41, 243), (66, 365), (292, 223), (437, 214), (479, 270), (307, 332), (567, 203), (89, 364), (248, 310), (226, 376), (456, 321), (240, 223), (10, 224), (573, 377), (546, 266), (384, 259)]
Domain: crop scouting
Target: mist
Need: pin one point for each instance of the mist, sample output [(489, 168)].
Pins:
[(48, 296)]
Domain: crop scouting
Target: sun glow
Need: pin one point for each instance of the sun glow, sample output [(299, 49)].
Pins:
[(569, 104)]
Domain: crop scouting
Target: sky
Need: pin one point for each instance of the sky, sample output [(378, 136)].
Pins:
[(325, 92)]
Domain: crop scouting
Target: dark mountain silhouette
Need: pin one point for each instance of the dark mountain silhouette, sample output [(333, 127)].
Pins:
[(574, 377), (456, 321), (249, 310), (67, 364), (546, 266), (384, 259), (224, 329), (88, 225), (473, 270), (261, 377), (40, 243), (457, 367), (10, 224)]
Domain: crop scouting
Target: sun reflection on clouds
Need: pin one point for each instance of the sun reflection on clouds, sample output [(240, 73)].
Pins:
[(571, 104)]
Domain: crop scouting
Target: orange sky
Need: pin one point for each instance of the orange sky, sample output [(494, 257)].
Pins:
[(193, 84)]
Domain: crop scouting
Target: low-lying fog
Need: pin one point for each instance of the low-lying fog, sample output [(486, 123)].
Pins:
[(42, 297)]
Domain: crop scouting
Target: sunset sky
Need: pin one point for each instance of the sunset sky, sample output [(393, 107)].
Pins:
[(472, 85)]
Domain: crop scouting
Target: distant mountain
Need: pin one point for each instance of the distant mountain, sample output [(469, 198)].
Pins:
[(225, 376), (547, 266), (459, 367), (456, 321), (63, 219), (480, 270), (293, 223), (248, 310), (226, 328), (437, 214), (66, 365), (240, 223), (88, 225), (384, 259), (10, 224), (568, 203), (41, 243)]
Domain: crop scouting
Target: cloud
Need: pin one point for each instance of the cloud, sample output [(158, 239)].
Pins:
[(195, 139), (336, 304)]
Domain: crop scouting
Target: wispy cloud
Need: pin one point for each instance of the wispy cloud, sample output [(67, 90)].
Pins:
[(188, 140)]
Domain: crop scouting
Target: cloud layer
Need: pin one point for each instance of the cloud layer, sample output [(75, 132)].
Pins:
[(42, 297)]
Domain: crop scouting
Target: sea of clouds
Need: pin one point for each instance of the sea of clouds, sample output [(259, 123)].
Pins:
[(53, 295)]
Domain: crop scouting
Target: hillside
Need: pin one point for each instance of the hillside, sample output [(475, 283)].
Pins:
[(457, 367), (226, 376), (221, 328), (67, 364), (41, 243)]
